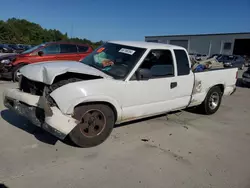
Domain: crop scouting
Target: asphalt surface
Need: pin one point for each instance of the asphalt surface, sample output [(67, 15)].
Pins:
[(183, 149)]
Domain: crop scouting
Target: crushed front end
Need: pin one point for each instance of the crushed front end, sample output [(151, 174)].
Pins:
[(32, 100)]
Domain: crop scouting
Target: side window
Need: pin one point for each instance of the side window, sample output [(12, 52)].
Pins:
[(83, 48), (68, 48), (183, 66), (160, 63), (51, 49)]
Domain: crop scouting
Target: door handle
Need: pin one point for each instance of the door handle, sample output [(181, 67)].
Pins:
[(173, 85)]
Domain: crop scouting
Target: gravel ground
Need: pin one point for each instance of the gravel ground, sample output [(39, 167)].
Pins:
[(179, 150)]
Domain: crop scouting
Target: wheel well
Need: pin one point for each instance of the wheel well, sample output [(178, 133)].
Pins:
[(20, 64), (221, 86), (101, 102)]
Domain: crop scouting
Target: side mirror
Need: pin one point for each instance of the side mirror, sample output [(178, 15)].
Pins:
[(143, 74), (40, 53)]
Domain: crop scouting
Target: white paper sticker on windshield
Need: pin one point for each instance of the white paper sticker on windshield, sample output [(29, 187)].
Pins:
[(127, 51)]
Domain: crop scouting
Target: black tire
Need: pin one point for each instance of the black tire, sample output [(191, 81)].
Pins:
[(81, 134), (15, 70), (207, 107)]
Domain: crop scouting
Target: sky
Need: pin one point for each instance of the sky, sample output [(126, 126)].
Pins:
[(132, 19)]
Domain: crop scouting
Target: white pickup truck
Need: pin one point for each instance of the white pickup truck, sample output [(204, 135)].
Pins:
[(119, 82)]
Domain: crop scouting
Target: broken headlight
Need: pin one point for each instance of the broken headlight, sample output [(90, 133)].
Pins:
[(5, 61)]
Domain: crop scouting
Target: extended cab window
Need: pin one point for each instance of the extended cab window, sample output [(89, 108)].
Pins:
[(68, 48), (183, 67), (83, 48), (51, 49), (160, 63)]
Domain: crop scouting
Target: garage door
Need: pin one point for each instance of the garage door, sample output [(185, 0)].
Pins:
[(242, 47), (182, 43)]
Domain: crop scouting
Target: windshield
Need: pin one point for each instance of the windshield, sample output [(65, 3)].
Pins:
[(114, 59), (32, 49)]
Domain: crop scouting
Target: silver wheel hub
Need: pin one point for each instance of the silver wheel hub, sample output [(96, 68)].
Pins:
[(214, 100)]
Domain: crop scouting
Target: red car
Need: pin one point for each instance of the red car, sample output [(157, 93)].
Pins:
[(51, 51)]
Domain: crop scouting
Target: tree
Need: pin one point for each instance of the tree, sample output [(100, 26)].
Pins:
[(21, 31)]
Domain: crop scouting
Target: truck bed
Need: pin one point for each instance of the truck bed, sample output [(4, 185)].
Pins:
[(225, 78)]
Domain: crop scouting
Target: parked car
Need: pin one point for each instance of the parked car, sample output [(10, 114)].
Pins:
[(246, 78), (15, 48), (247, 60), (5, 49), (215, 56), (232, 61), (198, 57), (118, 82), (50, 51)]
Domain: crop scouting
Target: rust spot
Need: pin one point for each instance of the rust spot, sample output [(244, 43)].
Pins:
[(128, 118)]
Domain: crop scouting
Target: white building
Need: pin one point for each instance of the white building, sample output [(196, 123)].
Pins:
[(208, 44)]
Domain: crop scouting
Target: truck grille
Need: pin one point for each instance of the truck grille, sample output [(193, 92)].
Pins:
[(32, 87)]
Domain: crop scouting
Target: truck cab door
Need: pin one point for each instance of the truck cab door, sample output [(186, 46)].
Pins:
[(154, 94), (184, 78)]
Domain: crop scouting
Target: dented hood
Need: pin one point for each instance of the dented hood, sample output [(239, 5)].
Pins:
[(47, 71)]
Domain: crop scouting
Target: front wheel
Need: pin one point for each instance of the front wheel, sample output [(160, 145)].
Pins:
[(212, 101), (96, 121), (16, 73)]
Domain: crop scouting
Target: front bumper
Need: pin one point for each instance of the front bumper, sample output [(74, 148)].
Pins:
[(36, 109), (234, 90)]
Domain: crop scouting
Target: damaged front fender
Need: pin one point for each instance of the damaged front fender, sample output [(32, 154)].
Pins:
[(69, 96)]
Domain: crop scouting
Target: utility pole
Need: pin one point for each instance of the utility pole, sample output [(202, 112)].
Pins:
[(71, 32)]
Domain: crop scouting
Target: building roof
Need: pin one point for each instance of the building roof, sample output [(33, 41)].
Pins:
[(242, 33), (150, 45)]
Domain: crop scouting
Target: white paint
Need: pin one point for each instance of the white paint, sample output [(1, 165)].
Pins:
[(132, 99), (47, 71), (27, 98), (127, 51), (60, 122), (225, 77)]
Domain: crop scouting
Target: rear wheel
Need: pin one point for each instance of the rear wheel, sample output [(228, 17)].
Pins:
[(16, 73), (96, 124), (212, 101)]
